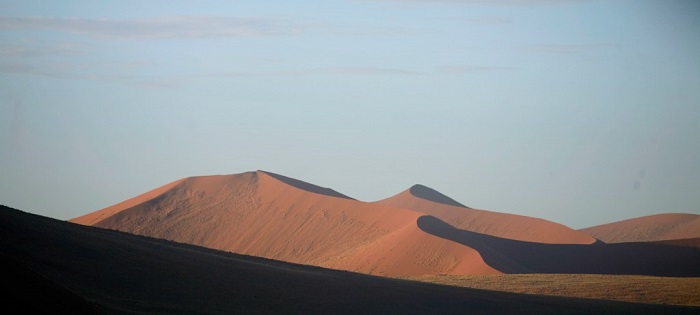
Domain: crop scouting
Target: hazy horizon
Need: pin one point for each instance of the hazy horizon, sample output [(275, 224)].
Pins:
[(579, 112)]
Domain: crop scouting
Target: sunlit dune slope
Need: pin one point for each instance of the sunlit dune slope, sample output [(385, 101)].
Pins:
[(659, 227), (272, 216), (428, 201), (97, 216)]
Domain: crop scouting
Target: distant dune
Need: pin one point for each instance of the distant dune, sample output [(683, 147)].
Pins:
[(510, 226), (54, 267), (272, 216), (659, 227), (417, 232)]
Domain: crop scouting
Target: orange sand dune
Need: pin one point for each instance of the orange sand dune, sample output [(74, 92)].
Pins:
[(659, 227), (272, 216), (510, 226), (417, 232)]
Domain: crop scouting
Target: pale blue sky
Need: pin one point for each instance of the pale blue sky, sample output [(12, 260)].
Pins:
[(580, 112)]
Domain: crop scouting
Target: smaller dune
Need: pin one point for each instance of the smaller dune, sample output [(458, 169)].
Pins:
[(510, 226), (658, 227)]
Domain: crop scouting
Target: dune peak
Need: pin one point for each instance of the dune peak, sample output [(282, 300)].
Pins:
[(433, 195)]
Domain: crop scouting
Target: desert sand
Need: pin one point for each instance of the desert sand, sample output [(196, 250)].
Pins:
[(638, 289), (272, 216), (55, 266), (417, 232)]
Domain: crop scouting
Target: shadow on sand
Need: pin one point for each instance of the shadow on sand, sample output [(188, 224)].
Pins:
[(511, 256)]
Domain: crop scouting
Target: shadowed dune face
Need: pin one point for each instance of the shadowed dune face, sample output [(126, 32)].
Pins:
[(433, 195), (427, 201), (120, 273), (511, 256), (660, 227), (264, 215)]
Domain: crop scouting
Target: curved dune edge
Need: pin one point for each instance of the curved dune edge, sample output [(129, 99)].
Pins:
[(263, 215), (498, 224), (658, 227)]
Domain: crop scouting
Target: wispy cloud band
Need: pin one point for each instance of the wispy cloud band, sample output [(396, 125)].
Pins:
[(496, 2), (566, 48), (457, 69), (160, 27)]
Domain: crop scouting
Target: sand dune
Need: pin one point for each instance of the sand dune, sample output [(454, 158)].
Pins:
[(510, 226), (417, 232), (659, 227), (58, 267), (272, 216)]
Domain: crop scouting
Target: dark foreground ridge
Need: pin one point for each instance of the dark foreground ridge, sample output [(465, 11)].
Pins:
[(98, 271)]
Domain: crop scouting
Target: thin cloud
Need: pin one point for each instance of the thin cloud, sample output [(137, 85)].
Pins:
[(459, 69), (160, 27), (310, 72), (65, 71), (366, 71), (523, 3), (25, 49), (565, 48), (489, 20), (16, 68)]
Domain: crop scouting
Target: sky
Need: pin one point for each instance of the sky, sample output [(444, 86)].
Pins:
[(579, 112)]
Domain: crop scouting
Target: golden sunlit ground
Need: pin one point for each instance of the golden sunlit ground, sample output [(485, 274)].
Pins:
[(640, 289)]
